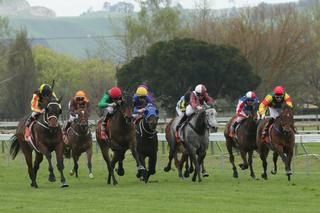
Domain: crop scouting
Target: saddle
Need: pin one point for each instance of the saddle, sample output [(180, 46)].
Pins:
[(107, 130), (30, 140)]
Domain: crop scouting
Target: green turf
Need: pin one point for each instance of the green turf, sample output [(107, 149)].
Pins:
[(166, 193)]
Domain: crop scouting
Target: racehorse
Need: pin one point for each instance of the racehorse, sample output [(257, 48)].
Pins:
[(121, 137), (245, 142), (195, 137), (147, 140), (281, 141), (46, 137), (79, 139)]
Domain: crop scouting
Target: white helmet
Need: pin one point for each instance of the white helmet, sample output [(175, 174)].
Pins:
[(200, 89), (251, 95)]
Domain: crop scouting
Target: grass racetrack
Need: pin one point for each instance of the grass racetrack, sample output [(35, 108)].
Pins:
[(165, 193)]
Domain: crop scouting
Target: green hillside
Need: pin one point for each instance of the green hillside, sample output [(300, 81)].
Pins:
[(63, 33)]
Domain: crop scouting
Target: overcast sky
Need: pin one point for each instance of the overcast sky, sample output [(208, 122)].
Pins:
[(76, 7)]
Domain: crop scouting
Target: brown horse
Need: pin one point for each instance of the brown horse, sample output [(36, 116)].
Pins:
[(121, 137), (47, 137), (79, 139), (245, 142), (281, 141)]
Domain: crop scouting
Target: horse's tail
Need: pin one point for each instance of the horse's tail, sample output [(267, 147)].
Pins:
[(15, 146)]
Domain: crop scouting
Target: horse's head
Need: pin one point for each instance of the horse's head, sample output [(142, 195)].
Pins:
[(211, 119), (52, 112), (151, 116), (82, 119), (125, 107), (286, 120)]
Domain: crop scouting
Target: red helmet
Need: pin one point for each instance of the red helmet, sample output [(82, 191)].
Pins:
[(278, 90), (251, 95), (115, 92)]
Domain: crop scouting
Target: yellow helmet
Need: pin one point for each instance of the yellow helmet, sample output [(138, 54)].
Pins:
[(141, 91)]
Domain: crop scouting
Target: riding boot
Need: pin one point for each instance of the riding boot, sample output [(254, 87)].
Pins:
[(66, 127), (233, 129), (27, 130), (104, 127), (266, 128), (180, 124)]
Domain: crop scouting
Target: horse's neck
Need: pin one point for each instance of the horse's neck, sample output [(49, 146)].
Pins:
[(198, 122)]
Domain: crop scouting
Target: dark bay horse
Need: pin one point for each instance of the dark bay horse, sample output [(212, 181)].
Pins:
[(281, 141), (79, 139), (196, 137), (245, 142), (47, 137), (121, 137), (147, 139)]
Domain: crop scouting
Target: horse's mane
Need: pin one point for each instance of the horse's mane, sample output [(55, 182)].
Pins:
[(200, 122)]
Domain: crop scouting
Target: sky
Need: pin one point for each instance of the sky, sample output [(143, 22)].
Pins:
[(76, 7)]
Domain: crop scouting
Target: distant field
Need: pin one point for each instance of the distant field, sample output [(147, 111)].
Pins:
[(166, 192)]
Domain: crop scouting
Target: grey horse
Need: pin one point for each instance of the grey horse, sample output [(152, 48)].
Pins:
[(195, 137)]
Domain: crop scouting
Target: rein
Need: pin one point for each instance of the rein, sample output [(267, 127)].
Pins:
[(143, 129)]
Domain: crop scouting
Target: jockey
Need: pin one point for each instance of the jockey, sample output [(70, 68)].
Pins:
[(273, 101), (140, 100), (80, 100), (183, 103), (39, 101), (109, 101), (144, 85), (198, 98), (245, 106)]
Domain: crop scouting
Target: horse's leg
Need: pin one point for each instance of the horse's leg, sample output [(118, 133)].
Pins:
[(37, 161), (250, 154), (275, 159), (184, 159), (231, 158), (105, 153), (141, 168), (193, 157), (191, 168), (28, 156), (120, 170), (43, 149), (75, 163), (244, 165), (263, 156), (142, 159), (289, 159), (60, 166), (203, 170), (171, 155), (89, 158)]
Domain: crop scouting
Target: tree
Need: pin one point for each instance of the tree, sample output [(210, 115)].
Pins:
[(21, 65), (171, 67)]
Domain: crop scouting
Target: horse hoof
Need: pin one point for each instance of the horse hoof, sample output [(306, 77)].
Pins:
[(71, 173), (115, 183), (273, 172), (120, 172), (235, 175), (167, 169), (91, 176), (264, 176), (205, 174), (243, 166), (52, 179), (64, 185), (253, 176), (34, 185), (186, 174)]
